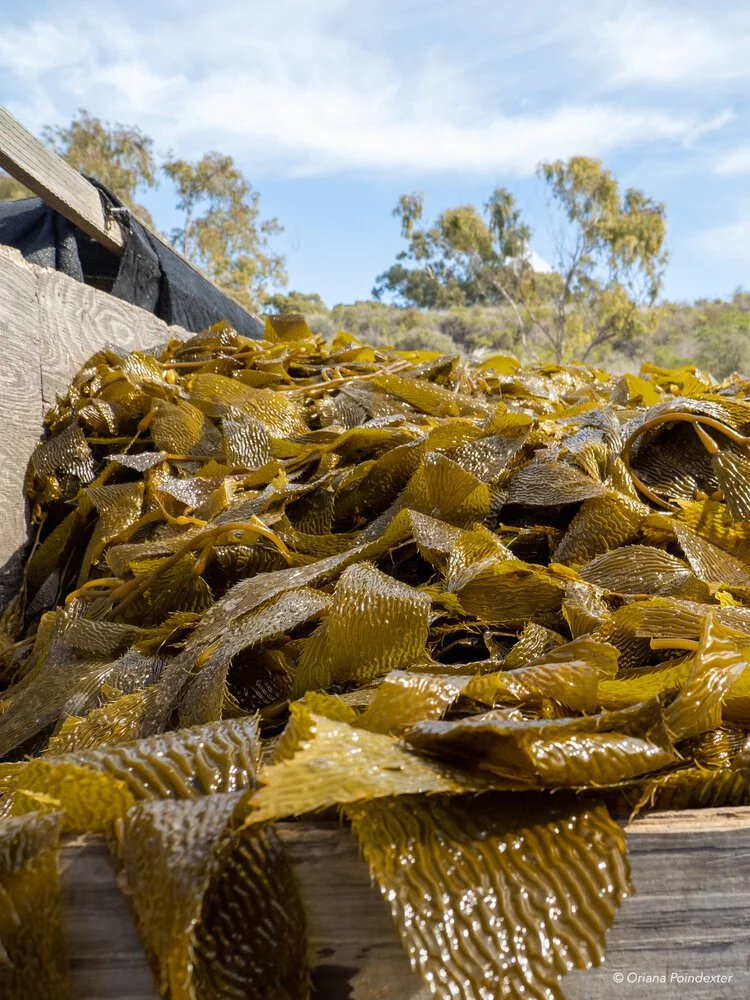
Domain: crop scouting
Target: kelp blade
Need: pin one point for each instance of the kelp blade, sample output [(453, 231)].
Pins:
[(498, 895), (276, 578)]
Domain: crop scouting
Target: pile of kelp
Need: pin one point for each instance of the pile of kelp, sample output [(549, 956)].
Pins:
[(282, 578)]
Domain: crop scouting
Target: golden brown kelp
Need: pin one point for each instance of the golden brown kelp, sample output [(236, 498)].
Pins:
[(428, 592), (205, 892), (504, 895), (33, 943)]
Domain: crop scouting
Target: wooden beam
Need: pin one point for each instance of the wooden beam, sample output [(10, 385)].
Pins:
[(42, 171), (690, 916)]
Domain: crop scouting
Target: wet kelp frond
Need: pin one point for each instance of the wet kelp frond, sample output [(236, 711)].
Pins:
[(279, 578)]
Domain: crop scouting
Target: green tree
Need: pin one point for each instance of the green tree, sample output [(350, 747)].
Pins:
[(723, 346), (610, 259), (120, 156), (610, 255), (11, 189), (222, 230), (457, 260), (295, 302)]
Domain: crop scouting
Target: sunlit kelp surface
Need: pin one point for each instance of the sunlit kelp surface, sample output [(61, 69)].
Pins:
[(276, 578)]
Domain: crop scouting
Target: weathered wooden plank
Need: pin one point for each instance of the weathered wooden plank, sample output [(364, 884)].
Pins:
[(105, 953), (77, 320), (689, 917), (49, 325), (24, 157), (20, 404), (354, 950)]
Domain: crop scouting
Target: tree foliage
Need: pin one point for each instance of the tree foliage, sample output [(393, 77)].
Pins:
[(222, 230), (306, 303), (459, 258), (609, 262), (120, 156), (11, 189), (611, 257), (722, 346)]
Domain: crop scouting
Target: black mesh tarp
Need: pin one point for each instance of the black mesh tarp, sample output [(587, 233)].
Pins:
[(148, 274)]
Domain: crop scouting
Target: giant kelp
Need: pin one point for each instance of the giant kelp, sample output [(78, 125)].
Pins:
[(277, 578)]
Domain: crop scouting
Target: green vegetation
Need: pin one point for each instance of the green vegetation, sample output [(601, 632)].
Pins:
[(466, 281), (712, 335), (11, 190), (229, 240), (120, 156), (609, 262)]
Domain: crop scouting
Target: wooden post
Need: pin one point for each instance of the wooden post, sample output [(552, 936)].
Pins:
[(65, 190)]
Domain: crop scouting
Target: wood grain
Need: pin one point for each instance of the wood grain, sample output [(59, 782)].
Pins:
[(105, 953), (21, 408), (42, 171), (49, 325), (690, 916), (77, 320)]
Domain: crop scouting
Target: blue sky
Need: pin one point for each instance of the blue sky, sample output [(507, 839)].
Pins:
[(333, 108)]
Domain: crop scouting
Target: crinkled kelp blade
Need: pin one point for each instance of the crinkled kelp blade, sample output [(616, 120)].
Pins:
[(117, 721), (336, 763), (720, 660), (88, 801), (696, 788), (569, 674), (497, 895), (591, 751), (376, 624), (34, 962), (404, 698), (215, 903), (183, 764)]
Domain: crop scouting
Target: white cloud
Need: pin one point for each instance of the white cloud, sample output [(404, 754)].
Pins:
[(710, 125), (35, 49), (736, 161), (729, 241), (299, 87), (663, 45), (320, 128), (539, 263), (43, 48)]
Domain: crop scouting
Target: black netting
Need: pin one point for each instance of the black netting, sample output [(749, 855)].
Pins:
[(148, 274)]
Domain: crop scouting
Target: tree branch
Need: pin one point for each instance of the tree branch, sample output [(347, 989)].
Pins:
[(606, 333), (537, 322), (500, 287)]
